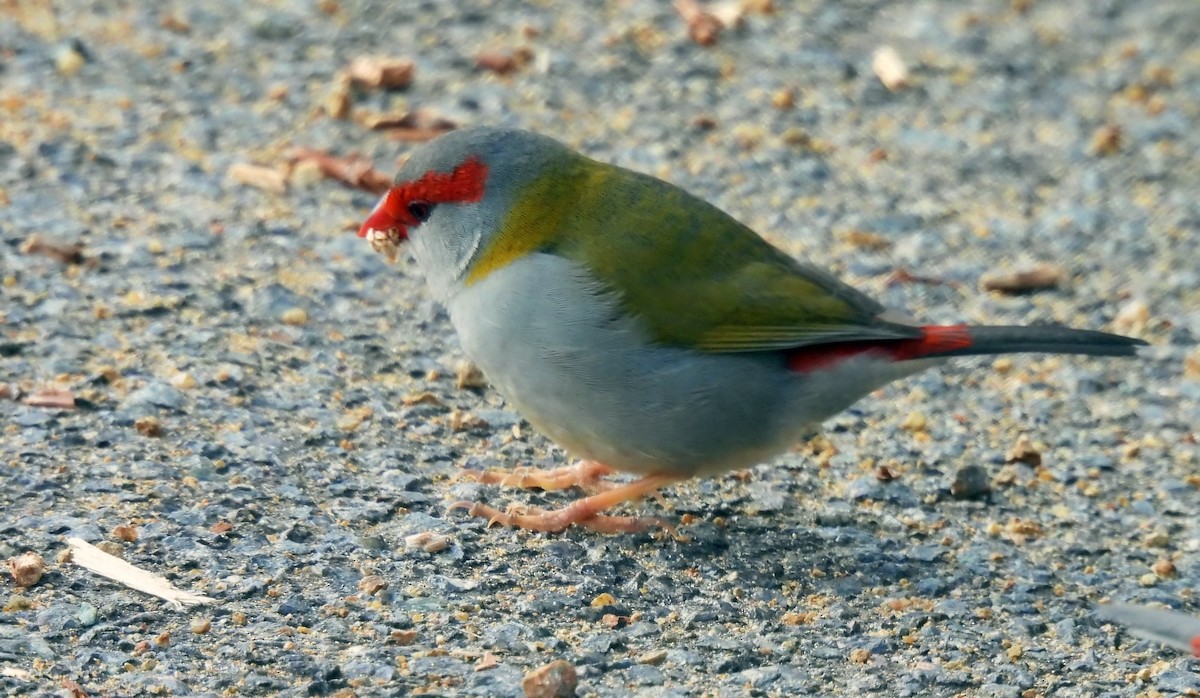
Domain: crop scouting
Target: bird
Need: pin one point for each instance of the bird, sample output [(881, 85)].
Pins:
[(641, 328)]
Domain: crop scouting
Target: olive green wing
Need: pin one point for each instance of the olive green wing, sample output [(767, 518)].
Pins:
[(698, 278)]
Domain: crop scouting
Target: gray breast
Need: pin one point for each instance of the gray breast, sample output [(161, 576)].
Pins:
[(556, 345)]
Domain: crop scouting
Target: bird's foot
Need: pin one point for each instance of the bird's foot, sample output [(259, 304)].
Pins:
[(588, 475), (585, 512)]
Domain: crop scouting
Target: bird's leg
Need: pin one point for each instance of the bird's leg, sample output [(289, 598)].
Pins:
[(584, 512), (587, 475)]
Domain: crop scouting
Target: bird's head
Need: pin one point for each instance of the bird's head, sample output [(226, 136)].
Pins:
[(453, 193)]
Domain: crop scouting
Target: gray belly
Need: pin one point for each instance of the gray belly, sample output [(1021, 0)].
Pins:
[(554, 345)]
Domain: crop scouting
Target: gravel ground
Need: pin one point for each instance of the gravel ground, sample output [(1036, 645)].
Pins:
[(265, 411)]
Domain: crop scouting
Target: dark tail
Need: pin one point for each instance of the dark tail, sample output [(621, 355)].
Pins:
[(960, 340)]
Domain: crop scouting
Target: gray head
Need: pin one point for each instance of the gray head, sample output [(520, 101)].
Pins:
[(452, 193)]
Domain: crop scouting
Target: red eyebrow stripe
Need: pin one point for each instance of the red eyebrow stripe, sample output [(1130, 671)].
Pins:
[(463, 185)]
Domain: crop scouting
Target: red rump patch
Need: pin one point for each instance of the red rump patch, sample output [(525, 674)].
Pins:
[(463, 185), (937, 339)]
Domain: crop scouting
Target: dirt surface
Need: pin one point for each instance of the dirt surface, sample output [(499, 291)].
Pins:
[(204, 371)]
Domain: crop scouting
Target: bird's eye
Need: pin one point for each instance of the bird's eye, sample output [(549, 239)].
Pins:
[(421, 210)]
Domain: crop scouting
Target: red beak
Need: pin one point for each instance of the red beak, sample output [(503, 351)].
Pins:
[(383, 219)]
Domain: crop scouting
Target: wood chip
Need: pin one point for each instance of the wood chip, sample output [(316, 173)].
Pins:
[(427, 541), (416, 126), (1036, 278), (73, 689), (259, 177), (504, 62), (338, 102), (890, 68), (488, 661), (866, 240), (703, 26), (64, 253), (352, 170), (92, 558), (13, 672), (381, 72), (175, 23), (59, 398)]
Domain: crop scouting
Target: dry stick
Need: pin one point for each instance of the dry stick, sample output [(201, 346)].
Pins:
[(89, 556)]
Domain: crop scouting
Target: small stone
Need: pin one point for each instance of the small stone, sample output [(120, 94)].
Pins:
[(860, 655), (148, 426), (295, 316), (1191, 365), (200, 626), (87, 615), (372, 584), (16, 602), (1132, 318), (653, 657), (890, 68), (557, 679), (462, 421), (468, 375), (381, 72), (970, 482), (1024, 451), (1107, 140), (1148, 580), (26, 569), (111, 547), (425, 398), (605, 599), (183, 381), (1156, 539), (129, 534), (68, 60), (784, 99), (914, 422), (1164, 568)]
